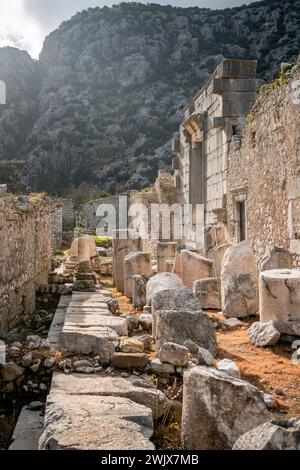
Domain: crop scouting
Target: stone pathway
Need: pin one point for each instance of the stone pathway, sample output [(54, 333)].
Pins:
[(95, 412)]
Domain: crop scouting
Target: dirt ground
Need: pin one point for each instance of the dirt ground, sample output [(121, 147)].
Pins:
[(270, 369)]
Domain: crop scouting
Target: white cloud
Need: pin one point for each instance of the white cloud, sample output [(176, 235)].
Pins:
[(19, 29)]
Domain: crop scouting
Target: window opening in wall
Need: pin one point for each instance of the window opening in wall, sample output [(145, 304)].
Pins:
[(241, 221)]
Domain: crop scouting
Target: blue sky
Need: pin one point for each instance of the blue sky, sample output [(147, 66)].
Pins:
[(25, 23)]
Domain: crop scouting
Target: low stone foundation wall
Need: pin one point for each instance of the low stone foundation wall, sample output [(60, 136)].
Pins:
[(25, 255)]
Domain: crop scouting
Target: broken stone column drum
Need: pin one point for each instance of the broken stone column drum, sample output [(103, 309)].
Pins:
[(279, 299)]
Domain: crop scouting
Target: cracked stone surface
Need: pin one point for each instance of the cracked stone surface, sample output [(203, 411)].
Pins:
[(279, 292)]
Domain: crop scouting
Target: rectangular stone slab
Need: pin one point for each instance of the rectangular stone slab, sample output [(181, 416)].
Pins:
[(85, 320), (88, 341), (80, 384), (102, 331), (61, 409), (104, 433)]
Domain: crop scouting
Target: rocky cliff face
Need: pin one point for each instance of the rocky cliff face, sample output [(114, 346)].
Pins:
[(114, 81)]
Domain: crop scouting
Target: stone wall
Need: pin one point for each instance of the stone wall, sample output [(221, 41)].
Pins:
[(25, 255), (57, 226), (68, 215), (88, 213), (265, 173)]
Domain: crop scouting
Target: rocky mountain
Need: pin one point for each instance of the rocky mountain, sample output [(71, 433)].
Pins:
[(107, 93)]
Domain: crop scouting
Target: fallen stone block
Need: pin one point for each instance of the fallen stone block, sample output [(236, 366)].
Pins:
[(130, 360), (194, 267), (218, 409), (172, 353), (146, 340), (192, 347), (205, 358), (131, 345), (178, 326), (218, 253), (232, 324), (145, 320), (270, 401), (139, 284), (160, 368), (161, 282), (263, 334), (172, 299), (208, 291), (239, 282), (278, 258), (279, 299), (136, 263), (229, 367), (275, 435)]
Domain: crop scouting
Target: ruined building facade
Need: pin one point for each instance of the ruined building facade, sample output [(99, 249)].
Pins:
[(238, 155), (214, 119)]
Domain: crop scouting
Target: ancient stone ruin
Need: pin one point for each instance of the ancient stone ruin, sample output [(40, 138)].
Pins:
[(200, 332)]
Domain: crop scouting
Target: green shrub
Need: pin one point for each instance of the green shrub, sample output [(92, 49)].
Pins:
[(103, 242)]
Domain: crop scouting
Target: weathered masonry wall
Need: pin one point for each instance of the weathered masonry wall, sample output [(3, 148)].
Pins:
[(25, 255), (215, 118), (265, 172)]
